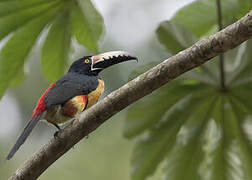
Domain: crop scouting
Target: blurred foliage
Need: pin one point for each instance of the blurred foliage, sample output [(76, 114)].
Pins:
[(191, 127), (24, 22), (188, 129), (200, 16)]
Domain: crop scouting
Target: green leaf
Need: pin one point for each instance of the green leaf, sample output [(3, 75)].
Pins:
[(205, 76), (228, 157), (139, 120), (212, 141), (243, 95), (187, 153), (200, 15), (240, 113), (87, 24), (19, 78), (236, 163), (16, 5), (242, 74), (213, 159), (56, 48), (4, 0), (3, 87), (150, 151), (14, 20), (174, 36), (16, 49), (83, 21), (211, 152)]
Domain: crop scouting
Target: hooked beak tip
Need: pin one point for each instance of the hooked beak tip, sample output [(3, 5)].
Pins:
[(135, 58)]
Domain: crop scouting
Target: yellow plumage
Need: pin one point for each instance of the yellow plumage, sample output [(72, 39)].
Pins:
[(95, 95)]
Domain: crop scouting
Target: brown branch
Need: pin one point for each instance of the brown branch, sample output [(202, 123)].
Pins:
[(144, 84)]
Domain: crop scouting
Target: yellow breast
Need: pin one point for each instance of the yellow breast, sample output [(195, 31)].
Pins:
[(95, 95)]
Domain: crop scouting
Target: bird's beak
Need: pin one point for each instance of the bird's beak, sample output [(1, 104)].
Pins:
[(102, 61)]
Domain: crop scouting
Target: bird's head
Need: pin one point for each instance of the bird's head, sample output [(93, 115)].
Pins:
[(92, 65)]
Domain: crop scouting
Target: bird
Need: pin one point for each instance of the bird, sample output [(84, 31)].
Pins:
[(74, 92)]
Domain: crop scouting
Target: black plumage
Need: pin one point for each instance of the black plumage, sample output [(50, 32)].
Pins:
[(69, 86)]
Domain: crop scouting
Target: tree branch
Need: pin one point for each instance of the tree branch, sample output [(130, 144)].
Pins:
[(144, 84)]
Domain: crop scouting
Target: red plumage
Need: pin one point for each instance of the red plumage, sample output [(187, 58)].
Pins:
[(41, 107)]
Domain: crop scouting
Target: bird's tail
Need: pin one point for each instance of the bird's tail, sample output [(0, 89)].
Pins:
[(27, 130)]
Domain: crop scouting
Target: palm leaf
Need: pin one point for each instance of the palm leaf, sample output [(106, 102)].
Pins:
[(26, 19), (56, 47), (11, 60), (209, 138)]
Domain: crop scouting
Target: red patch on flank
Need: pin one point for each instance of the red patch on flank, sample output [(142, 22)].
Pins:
[(84, 98), (40, 107), (70, 109)]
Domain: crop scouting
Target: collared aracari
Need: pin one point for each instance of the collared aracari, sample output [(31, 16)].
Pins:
[(76, 91)]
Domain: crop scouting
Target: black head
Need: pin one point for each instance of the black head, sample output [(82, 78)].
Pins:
[(81, 66), (92, 65)]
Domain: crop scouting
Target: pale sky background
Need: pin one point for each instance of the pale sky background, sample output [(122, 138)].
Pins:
[(128, 23)]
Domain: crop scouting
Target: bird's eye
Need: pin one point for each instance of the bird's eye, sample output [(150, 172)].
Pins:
[(86, 60)]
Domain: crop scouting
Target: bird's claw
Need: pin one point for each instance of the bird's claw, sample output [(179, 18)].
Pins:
[(74, 121), (56, 134)]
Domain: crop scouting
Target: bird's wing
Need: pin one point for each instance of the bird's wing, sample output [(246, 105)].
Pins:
[(68, 87)]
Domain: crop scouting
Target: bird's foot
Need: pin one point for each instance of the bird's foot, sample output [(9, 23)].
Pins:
[(56, 134), (73, 121)]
